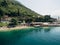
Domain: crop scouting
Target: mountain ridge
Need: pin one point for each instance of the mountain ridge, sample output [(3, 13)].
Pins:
[(10, 8)]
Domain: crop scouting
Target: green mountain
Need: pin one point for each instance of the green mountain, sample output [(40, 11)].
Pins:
[(15, 8)]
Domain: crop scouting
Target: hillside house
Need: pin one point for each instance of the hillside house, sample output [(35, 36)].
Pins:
[(5, 19)]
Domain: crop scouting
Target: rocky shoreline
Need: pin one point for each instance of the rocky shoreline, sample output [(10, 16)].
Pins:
[(14, 28)]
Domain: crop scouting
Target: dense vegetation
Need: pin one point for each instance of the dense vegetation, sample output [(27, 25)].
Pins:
[(12, 8)]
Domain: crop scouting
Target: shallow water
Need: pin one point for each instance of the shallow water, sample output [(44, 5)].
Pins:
[(31, 36)]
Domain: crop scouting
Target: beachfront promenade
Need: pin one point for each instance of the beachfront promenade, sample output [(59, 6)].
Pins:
[(30, 25), (45, 24)]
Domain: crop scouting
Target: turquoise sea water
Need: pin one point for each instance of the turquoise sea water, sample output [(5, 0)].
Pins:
[(31, 36)]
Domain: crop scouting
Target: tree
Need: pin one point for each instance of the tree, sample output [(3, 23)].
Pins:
[(13, 22), (40, 19), (1, 14), (4, 3), (47, 18), (18, 12), (28, 20)]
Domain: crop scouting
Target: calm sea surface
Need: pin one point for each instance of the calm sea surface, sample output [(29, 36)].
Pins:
[(31, 36)]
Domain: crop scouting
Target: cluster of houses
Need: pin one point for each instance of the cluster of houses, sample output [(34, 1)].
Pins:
[(7, 19)]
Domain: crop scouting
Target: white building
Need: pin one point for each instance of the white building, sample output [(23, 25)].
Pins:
[(58, 20)]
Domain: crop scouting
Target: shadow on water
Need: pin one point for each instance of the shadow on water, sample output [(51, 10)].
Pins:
[(47, 29), (44, 29), (12, 37)]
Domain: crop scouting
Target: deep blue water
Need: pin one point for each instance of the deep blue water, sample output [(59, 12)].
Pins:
[(31, 36)]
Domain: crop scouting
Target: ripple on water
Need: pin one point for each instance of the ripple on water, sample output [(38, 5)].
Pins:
[(31, 36)]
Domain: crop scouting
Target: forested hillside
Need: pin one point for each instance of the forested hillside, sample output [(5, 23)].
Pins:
[(13, 8)]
